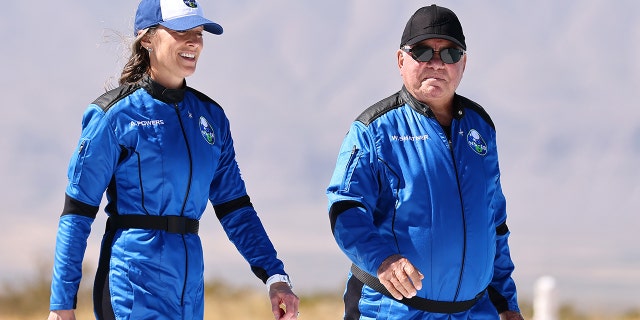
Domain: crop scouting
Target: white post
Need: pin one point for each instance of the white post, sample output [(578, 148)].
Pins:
[(545, 303)]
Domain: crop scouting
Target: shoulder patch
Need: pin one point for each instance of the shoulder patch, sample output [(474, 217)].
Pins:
[(476, 142), (207, 131)]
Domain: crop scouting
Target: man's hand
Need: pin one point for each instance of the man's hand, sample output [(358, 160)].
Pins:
[(511, 315), (284, 303), (400, 277)]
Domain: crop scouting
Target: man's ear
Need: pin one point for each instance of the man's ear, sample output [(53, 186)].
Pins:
[(464, 62), (400, 56)]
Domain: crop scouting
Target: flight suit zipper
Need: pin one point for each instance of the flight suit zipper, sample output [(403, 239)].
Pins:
[(184, 203), (462, 212)]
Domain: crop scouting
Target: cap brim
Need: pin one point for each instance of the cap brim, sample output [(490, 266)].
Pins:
[(434, 36), (190, 22)]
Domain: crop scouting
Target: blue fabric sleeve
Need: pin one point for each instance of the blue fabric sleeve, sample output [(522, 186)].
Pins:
[(93, 162), (355, 181), (89, 172), (227, 184), (360, 241), (244, 229), (241, 222), (502, 286), (502, 282), (71, 243)]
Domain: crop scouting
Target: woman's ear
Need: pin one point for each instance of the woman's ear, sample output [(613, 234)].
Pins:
[(145, 42)]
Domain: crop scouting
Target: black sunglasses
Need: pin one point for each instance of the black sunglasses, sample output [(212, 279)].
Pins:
[(425, 54)]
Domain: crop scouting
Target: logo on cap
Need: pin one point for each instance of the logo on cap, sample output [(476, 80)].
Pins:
[(191, 3)]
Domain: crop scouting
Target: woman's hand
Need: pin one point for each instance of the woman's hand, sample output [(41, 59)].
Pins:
[(511, 315), (62, 315)]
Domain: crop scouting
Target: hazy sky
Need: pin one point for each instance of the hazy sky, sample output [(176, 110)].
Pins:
[(559, 79)]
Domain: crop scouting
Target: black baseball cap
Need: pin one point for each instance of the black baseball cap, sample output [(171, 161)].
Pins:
[(433, 22)]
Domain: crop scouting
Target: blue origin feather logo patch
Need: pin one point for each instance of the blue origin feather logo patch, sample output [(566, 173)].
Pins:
[(207, 131), (476, 143)]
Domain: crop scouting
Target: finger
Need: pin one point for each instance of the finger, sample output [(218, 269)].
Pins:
[(392, 284), (415, 276), (278, 310), (406, 286), (399, 288), (291, 307), (292, 313), (287, 308), (391, 288)]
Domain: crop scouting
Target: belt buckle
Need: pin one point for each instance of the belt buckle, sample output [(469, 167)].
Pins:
[(176, 224)]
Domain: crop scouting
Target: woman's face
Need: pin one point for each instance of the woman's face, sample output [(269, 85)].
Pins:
[(174, 54)]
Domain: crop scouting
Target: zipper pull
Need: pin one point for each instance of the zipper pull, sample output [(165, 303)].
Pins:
[(81, 147)]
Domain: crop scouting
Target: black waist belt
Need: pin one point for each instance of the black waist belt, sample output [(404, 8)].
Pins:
[(173, 224), (423, 304)]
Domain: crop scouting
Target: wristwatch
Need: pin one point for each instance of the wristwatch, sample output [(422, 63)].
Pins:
[(278, 278)]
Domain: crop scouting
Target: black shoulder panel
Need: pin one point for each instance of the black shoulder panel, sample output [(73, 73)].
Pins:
[(466, 103), (110, 97), (381, 107), (203, 97)]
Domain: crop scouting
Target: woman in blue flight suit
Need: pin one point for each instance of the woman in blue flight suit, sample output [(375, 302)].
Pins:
[(162, 151)]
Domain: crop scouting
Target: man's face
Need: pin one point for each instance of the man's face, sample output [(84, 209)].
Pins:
[(433, 82)]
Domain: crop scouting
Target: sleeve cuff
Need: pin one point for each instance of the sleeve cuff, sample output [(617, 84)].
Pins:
[(278, 278)]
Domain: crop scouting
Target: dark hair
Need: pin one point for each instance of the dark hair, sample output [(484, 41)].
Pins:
[(138, 65)]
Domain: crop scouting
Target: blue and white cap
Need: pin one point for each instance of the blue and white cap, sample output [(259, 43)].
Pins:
[(178, 15)]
